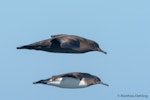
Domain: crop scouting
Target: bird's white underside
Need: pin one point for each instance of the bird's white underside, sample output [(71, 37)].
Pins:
[(68, 82)]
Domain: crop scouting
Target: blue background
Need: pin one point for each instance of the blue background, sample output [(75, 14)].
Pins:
[(121, 27)]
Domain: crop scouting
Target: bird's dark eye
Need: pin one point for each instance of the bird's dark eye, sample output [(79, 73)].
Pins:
[(97, 45), (97, 79)]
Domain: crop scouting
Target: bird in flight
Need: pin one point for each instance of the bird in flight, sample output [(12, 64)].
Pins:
[(63, 43), (72, 80)]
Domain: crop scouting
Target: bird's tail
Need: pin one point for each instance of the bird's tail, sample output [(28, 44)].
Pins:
[(25, 47), (36, 82), (36, 45), (41, 81)]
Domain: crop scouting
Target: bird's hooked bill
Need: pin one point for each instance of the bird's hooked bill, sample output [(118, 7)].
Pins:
[(100, 50), (104, 84)]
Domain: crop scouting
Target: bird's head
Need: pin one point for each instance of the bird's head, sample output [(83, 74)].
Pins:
[(98, 81), (95, 47)]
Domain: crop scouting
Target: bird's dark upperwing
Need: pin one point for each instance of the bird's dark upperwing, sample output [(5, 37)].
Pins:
[(67, 41), (72, 76), (76, 75)]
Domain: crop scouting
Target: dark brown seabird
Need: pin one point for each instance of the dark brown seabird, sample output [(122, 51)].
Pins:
[(63, 43), (72, 80)]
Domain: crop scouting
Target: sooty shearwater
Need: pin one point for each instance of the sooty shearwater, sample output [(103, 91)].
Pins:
[(63, 43)]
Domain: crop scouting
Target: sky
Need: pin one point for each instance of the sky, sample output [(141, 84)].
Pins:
[(120, 27)]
